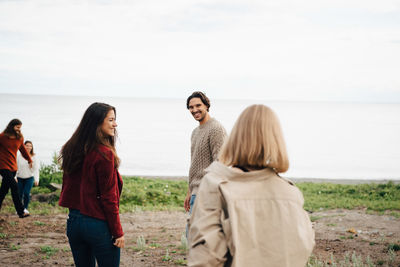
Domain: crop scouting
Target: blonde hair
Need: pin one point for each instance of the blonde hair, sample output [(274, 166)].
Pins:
[(256, 141)]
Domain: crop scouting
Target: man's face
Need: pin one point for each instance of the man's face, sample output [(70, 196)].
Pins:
[(198, 109), (17, 129)]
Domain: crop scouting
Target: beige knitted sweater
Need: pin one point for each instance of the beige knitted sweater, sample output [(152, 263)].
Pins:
[(207, 140)]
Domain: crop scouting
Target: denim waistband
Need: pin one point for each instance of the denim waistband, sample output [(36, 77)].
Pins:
[(76, 213)]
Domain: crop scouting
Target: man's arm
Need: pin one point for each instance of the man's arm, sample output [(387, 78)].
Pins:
[(217, 138)]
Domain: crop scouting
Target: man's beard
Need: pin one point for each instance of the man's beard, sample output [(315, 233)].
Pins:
[(18, 134)]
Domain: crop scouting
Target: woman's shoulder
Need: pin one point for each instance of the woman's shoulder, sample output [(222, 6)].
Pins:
[(101, 152), (216, 174), (287, 188), (101, 149)]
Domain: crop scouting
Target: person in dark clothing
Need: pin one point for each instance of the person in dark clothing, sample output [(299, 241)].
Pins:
[(12, 140)]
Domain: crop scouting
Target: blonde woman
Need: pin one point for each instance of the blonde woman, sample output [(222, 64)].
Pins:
[(245, 214)]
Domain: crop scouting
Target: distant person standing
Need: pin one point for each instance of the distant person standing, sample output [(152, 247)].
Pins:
[(26, 175), (91, 189), (12, 140), (206, 141)]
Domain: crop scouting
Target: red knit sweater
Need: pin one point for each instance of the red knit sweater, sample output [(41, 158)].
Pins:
[(8, 152), (95, 190)]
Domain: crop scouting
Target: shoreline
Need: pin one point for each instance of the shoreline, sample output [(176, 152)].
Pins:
[(295, 180)]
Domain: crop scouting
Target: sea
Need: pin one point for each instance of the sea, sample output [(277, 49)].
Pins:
[(325, 140)]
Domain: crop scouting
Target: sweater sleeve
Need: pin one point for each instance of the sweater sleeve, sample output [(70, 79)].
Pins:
[(207, 243), (25, 153), (217, 138), (108, 188), (35, 168), (19, 164)]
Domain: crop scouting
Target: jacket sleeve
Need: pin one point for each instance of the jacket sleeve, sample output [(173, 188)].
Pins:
[(109, 196), (25, 153), (207, 243)]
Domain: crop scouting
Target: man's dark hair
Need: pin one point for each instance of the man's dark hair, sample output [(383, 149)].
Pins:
[(202, 97)]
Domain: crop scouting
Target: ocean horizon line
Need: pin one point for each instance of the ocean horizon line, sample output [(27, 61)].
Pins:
[(259, 100)]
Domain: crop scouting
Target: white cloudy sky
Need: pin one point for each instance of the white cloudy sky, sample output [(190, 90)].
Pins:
[(287, 50)]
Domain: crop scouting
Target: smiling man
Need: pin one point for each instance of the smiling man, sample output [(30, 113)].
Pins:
[(206, 142)]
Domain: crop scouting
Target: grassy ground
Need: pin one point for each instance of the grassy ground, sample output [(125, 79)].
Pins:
[(142, 194), (374, 197), (160, 194)]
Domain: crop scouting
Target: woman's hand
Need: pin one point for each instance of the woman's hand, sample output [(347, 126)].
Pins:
[(36, 183), (120, 242)]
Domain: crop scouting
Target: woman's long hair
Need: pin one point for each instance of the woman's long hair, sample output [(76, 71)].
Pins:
[(9, 131), (87, 137), (256, 141)]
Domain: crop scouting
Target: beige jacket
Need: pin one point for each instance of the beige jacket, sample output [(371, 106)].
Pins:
[(257, 216)]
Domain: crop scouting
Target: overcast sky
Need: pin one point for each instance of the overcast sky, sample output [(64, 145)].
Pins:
[(341, 50)]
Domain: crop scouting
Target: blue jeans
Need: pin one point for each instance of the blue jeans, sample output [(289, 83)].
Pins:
[(24, 189), (191, 203), (90, 241)]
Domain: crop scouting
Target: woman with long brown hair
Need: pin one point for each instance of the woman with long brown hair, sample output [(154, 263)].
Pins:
[(245, 214), (91, 189)]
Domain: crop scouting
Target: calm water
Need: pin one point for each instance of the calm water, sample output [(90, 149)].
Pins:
[(324, 140)]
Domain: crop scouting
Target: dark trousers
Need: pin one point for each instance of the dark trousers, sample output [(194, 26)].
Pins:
[(90, 241), (24, 189), (7, 183)]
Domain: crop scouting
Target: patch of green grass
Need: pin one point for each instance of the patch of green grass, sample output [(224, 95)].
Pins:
[(315, 218), (48, 250), (14, 247), (181, 262), (166, 257), (152, 194), (38, 223), (377, 197), (154, 245), (394, 247), (380, 262), (40, 190), (3, 235), (395, 214), (331, 224)]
